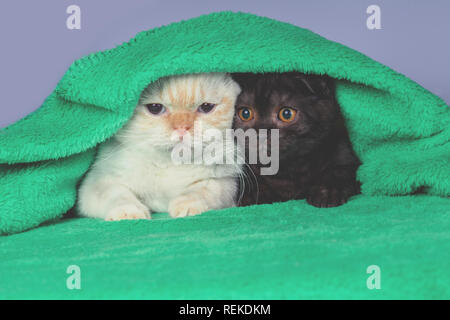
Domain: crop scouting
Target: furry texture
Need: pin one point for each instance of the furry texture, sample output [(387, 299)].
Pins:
[(316, 159), (399, 130), (280, 251), (134, 173)]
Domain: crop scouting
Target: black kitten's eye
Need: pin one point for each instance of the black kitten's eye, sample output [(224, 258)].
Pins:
[(155, 108), (206, 107), (287, 114), (245, 114)]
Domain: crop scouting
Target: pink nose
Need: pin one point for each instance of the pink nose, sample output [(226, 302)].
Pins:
[(181, 131)]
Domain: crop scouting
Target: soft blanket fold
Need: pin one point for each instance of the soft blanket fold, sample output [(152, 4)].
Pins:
[(280, 251), (399, 130)]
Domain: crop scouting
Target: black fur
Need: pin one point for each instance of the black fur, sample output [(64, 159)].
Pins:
[(317, 161)]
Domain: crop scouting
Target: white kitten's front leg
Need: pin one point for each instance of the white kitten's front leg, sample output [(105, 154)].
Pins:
[(204, 196), (108, 199), (189, 204), (128, 211)]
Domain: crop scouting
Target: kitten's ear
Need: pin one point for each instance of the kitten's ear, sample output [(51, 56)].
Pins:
[(327, 85), (320, 85), (242, 78)]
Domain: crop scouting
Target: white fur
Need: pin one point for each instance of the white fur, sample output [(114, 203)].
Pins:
[(134, 175)]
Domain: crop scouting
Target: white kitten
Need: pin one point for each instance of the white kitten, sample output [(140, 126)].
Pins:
[(134, 174)]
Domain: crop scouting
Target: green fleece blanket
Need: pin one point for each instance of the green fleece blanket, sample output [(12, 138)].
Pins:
[(399, 130), (283, 251)]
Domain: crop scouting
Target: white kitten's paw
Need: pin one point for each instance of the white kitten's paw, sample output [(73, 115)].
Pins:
[(128, 212), (187, 206)]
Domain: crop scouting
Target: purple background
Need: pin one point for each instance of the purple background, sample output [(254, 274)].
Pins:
[(37, 48)]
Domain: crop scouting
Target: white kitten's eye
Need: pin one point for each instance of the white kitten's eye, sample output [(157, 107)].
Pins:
[(155, 108), (206, 107)]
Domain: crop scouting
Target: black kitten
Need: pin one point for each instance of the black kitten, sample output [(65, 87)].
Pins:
[(317, 161)]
